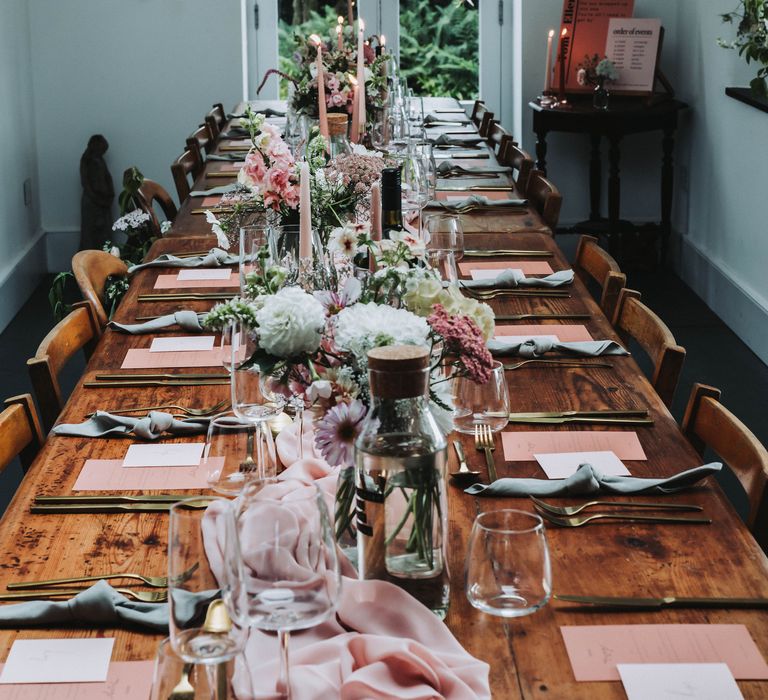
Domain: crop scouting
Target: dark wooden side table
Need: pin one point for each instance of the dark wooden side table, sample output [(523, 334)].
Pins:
[(624, 116)]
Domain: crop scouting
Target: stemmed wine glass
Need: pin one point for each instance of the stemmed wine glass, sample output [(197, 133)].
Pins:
[(254, 252), (445, 232), (291, 567)]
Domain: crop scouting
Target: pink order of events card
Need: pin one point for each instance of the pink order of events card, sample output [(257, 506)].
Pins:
[(565, 332), (111, 475), (527, 267), (594, 650), (126, 680), (209, 202), (522, 446), (173, 282), (488, 194), (143, 358)]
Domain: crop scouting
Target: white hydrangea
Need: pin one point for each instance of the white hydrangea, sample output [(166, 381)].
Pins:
[(290, 323), (132, 220)]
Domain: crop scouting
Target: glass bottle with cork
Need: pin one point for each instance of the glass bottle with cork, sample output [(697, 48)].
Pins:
[(338, 143), (400, 462)]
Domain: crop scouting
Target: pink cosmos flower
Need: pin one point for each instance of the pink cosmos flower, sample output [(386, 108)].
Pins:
[(336, 431)]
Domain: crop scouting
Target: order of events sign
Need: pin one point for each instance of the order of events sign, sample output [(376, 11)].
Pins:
[(583, 33), (633, 46)]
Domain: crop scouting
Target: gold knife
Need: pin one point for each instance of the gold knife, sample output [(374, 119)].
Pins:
[(666, 602), (215, 210), (63, 500), (640, 412), (525, 317), (212, 296), (154, 382), (475, 188), (507, 253), (182, 376), (229, 175), (109, 508), (585, 419)]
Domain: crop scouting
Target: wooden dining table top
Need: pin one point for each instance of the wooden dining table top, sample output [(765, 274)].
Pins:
[(527, 656)]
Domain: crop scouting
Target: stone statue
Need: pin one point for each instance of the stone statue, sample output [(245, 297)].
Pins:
[(98, 194)]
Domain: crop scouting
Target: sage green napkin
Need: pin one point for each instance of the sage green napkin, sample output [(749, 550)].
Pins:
[(150, 427), (588, 481), (222, 189), (449, 167), (186, 320), (476, 201), (512, 278), (216, 257), (455, 140), (538, 346), (433, 117), (267, 112), (102, 606), (228, 157), (236, 132)]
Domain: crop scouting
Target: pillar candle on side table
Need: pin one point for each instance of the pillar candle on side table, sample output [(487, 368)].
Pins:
[(375, 221), (305, 215)]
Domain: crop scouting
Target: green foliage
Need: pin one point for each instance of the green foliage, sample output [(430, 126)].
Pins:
[(751, 20), (57, 294)]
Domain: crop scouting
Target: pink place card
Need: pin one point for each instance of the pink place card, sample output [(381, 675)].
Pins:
[(523, 445), (594, 650), (236, 143), (225, 167), (565, 333), (209, 202), (142, 358), (453, 196), (173, 282), (111, 475), (126, 680), (527, 267)]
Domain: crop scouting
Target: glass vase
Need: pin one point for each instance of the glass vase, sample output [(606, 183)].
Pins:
[(601, 96)]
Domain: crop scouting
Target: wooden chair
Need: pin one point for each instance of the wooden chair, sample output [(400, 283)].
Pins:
[(186, 165), (707, 423), (485, 124), (512, 155), (215, 119), (478, 111), (498, 137), (634, 320), (91, 269), (20, 433), (545, 198), (594, 262), (77, 331), (201, 141), (151, 192)]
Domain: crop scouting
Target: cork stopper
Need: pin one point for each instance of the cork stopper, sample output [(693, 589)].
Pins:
[(398, 371), (337, 124)]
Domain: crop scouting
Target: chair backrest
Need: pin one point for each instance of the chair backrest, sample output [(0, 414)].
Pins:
[(485, 124), (596, 263), (215, 119), (202, 141), (20, 433), (634, 320), (544, 197), (498, 137), (91, 269), (181, 169), (512, 155), (151, 192), (79, 330), (707, 423), (478, 110)]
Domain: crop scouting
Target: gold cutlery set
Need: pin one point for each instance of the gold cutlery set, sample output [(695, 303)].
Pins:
[(182, 379), (471, 253), (109, 504)]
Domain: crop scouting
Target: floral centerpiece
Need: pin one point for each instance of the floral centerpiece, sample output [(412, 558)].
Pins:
[(597, 71)]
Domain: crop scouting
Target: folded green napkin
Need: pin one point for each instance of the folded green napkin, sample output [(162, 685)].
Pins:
[(228, 157), (455, 140), (149, 427), (449, 167), (267, 112), (433, 117), (222, 189), (102, 606), (186, 320), (512, 278), (236, 132), (588, 481), (538, 346), (476, 201), (216, 257)]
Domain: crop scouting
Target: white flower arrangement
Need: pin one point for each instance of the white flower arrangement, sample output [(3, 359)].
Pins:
[(132, 220), (290, 322), (221, 237)]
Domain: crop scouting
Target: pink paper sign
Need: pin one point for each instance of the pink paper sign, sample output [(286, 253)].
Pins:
[(111, 475), (173, 282), (209, 202), (126, 680), (521, 446), (488, 194), (594, 650), (565, 333), (528, 267), (142, 358)]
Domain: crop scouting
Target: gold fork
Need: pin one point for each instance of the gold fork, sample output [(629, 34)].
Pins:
[(189, 411), (143, 596), (183, 690), (579, 520), (154, 581), (575, 510), (484, 443), (493, 293), (561, 363)]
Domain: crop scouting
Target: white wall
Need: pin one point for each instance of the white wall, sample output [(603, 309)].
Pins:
[(22, 258), (141, 72)]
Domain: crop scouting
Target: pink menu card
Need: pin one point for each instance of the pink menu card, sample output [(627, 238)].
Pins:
[(111, 475), (520, 446), (173, 282), (565, 333), (488, 194), (528, 267), (142, 358)]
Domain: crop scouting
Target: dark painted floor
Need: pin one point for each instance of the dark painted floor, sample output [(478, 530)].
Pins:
[(715, 356)]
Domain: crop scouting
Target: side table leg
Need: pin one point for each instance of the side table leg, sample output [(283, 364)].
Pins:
[(614, 194), (541, 152), (667, 181), (595, 178)]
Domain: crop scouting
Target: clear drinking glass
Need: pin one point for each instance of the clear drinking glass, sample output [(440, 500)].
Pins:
[(236, 452), (237, 344), (508, 572), (254, 251), (444, 262), (192, 584), (249, 401), (293, 579), (481, 404), (445, 232)]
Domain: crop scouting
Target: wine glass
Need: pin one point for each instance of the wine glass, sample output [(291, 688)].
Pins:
[(290, 562), (237, 345), (254, 251), (199, 572), (444, 263), (249, 399), (481, 404), (445, 232), (237, 451), (508, 571)]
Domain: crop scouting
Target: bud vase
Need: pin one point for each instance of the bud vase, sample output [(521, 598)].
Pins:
[(601, 96)]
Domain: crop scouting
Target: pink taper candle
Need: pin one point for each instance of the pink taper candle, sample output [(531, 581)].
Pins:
[(360, 94), (354, 129), (305, 214), (340, 33), (375, 221), (321, 106)]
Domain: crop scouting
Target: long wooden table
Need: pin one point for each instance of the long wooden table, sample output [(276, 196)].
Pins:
[(527, 656)]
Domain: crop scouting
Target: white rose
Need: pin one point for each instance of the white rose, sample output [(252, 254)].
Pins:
[(290, 323)]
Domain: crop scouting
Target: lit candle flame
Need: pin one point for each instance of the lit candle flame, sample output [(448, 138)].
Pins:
[(352, 80), (316, 40), (564, 32), (340, 20), (551, 33), (383, 40)]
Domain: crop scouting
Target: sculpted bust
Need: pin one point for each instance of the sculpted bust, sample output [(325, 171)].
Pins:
[(98, 194)]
